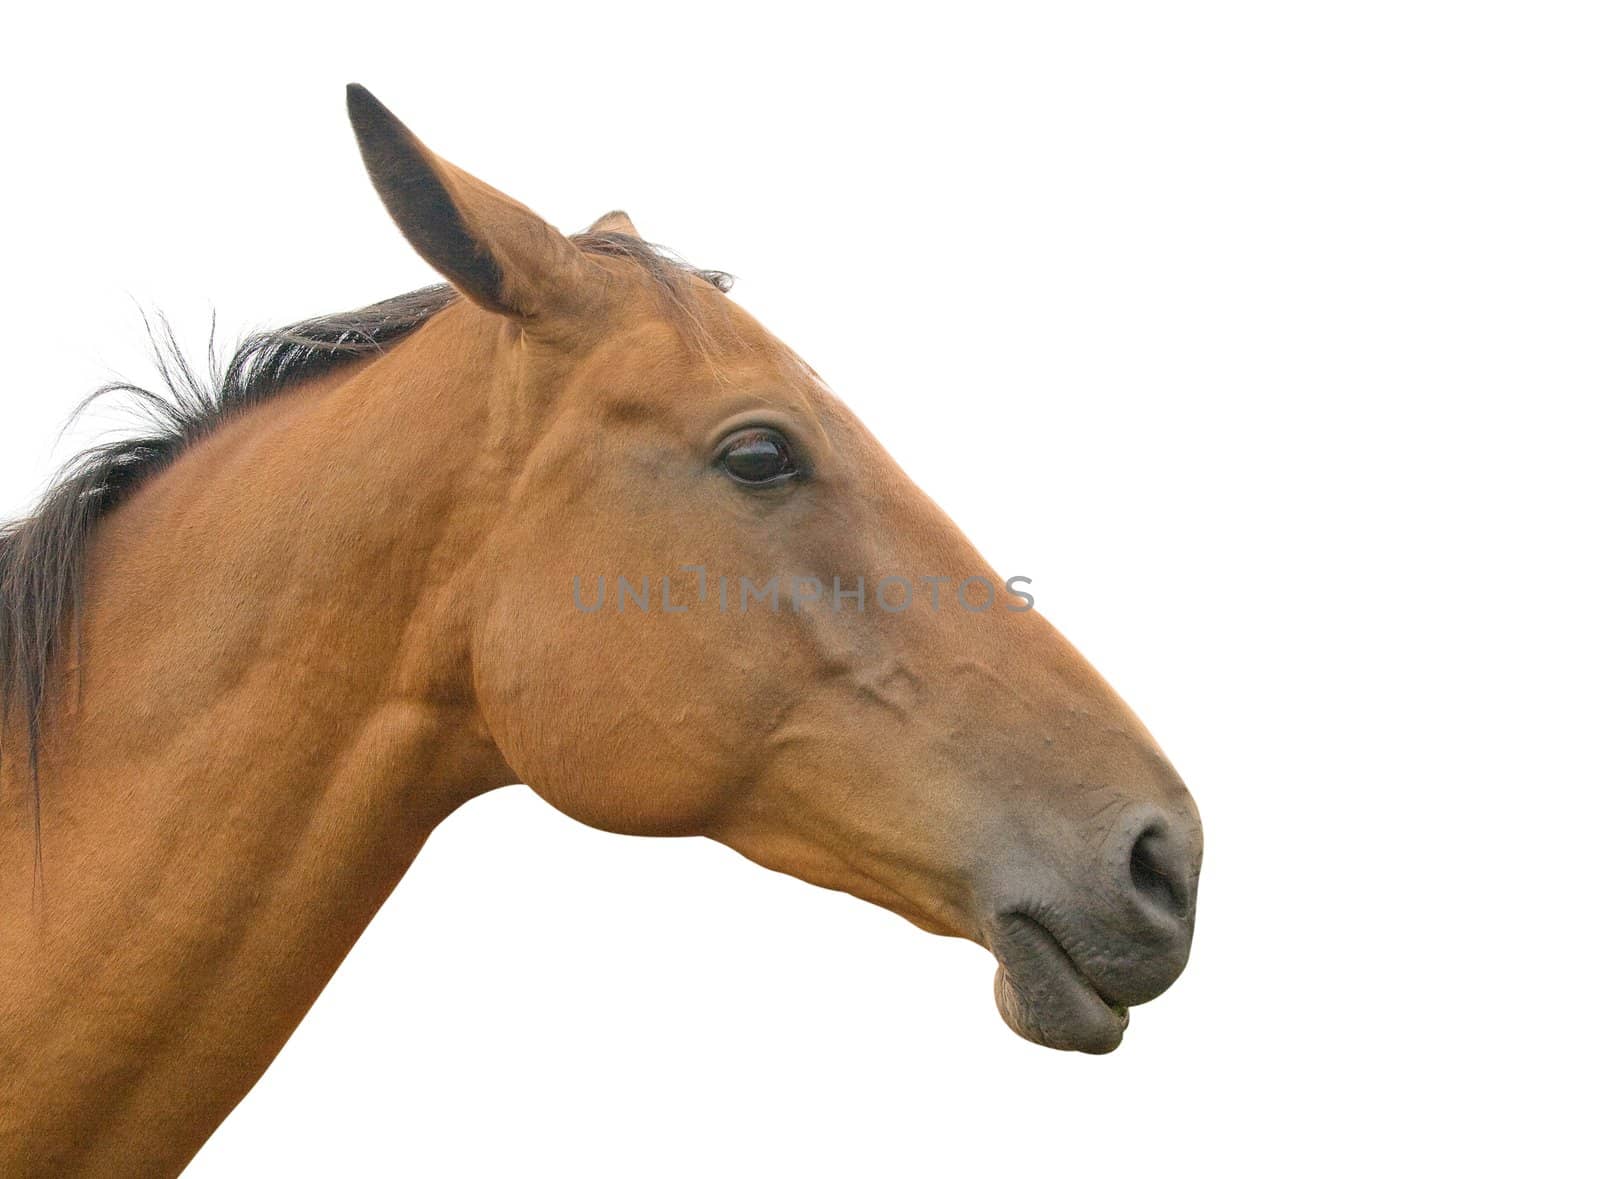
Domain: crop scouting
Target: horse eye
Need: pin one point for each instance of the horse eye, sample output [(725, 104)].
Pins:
[(758, 457)]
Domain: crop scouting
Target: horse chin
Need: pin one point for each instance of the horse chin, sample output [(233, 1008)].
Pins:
[(1045, 998)]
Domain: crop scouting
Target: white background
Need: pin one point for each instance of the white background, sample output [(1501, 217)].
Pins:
[(1262, 336)]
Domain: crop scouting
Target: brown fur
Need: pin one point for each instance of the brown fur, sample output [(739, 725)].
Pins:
[(336, 616)]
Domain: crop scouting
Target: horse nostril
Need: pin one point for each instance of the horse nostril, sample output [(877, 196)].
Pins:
[(1158, 872)]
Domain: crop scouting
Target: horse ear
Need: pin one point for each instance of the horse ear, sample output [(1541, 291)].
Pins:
[(615, 221), (497, 252)]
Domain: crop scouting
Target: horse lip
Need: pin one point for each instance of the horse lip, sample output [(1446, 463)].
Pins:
[(1044, 995), (1072, 963)]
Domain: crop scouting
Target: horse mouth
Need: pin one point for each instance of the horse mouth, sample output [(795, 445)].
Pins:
[(1042, 994)]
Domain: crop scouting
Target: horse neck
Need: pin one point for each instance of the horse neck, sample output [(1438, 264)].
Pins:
[(271, 709)]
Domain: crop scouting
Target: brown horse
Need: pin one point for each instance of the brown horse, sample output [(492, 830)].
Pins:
[(575, 520)]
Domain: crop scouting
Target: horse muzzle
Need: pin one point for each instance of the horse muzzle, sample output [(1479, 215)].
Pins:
[(1075, 955)]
